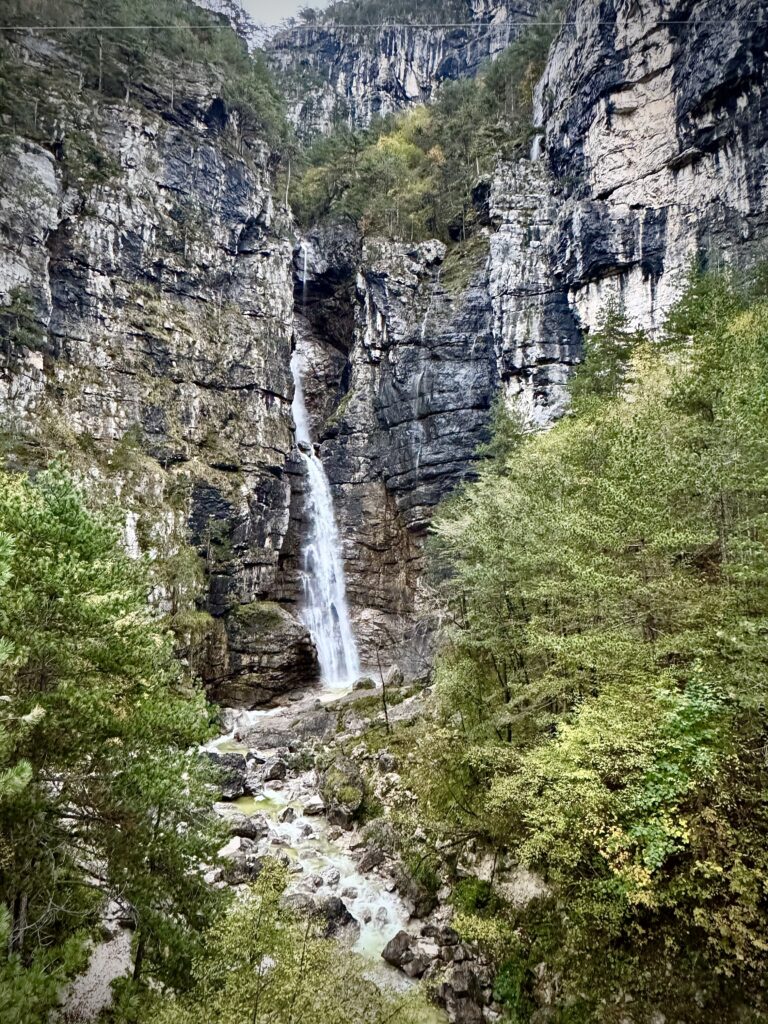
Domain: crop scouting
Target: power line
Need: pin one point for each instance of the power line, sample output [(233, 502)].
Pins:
[(378, 26)]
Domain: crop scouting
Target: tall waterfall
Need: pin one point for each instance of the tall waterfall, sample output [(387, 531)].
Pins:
[(325, 612)]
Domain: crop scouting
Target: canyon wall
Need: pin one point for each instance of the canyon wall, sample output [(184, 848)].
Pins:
[(652, 153), (146, 299), (354, 72)]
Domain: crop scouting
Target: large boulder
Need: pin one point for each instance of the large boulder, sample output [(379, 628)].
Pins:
[(231, 771), (270, 653), (342, 788)]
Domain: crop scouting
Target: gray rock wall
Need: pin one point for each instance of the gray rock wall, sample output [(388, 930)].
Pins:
[(655, 154), (159, 295), (354, 73)]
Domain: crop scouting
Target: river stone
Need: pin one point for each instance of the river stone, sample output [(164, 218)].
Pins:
[(399, 950), (366, 683), (371, 859), (232, 771), (274, 769), (332, 876), (314, 806)]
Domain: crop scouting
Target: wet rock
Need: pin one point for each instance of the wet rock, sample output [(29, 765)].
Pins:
[(243, 864), (287, 815), (349, 893), (339, 922), (381, 916), (342, 789), (314, 806), (231, 770), (366, 683), (314, 881), (400, 949), (274, 769), (331, 876), (371, 859)]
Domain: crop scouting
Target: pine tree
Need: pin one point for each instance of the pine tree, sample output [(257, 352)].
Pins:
[(102, 792)]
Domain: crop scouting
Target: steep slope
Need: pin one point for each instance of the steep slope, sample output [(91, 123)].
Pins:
[(146, 306), (355, 62)]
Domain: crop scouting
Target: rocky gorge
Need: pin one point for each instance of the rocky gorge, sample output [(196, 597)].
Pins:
[(155, 287), (163, 285)]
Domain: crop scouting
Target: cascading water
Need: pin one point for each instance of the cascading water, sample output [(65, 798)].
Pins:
[(325, 612)]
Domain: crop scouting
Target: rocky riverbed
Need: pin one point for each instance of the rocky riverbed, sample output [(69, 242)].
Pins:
[(297, 782)]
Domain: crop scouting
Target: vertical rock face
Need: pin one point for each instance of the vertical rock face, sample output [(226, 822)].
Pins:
[(655, 153), (418, 381), (153, 273), (654, 127), (151, 293), (354, 72)]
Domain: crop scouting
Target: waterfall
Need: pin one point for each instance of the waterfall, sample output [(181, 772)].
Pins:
[(325, 612)]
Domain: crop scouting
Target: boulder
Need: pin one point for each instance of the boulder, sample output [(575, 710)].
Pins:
[(387, 762), (342, 789), (231, 770), (370, 860), (247, 826), (243, 863), (366, 683), (394, 677), (314, 806), (274, 769), (270, 653), (338, 920), (400, 949)]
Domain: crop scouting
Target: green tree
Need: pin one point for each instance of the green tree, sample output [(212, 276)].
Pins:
[(262, 964), (103, 794), (603, 683)]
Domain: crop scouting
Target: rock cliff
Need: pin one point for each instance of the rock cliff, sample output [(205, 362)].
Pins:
[(356, 71), (146, 297), (652, 153), (152, 289)]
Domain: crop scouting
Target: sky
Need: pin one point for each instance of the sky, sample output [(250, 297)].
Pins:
[(269, 12)]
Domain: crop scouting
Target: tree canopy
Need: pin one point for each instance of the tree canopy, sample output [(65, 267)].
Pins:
[(603, 684)]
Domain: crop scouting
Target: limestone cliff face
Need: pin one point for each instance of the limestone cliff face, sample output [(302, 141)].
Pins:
[(355, 72), (152, 271), (151, 291), (417, 372), (654, 153)]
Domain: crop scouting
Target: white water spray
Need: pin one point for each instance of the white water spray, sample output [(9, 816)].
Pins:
[(325, 612)]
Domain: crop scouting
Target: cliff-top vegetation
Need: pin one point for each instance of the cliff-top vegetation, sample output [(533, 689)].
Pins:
[(411, 175)]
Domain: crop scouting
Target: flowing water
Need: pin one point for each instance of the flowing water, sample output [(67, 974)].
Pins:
[(325, 612)]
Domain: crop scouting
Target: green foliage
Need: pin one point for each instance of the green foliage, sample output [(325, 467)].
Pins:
[(602, 689), (101, 793), (608, 353), (114, 62), (19, 325), (411, 176), (473, 894), (261, 964)]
